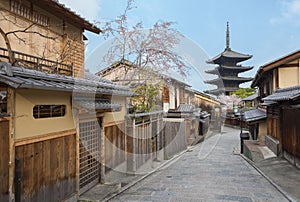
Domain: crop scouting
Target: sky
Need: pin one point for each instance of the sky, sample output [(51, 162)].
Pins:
[(267, 29)]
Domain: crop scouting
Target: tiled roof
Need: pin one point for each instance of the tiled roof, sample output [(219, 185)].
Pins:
[(20, 77), (219, 91), (284, 94), (251, 97), (228, 53), (155, 73), (185, 108), (216, 70), (254, 115), (97, 104), (229, 78)]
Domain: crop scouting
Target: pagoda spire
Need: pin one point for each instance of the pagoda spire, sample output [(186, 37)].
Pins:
[(228, 69), (227, 37)]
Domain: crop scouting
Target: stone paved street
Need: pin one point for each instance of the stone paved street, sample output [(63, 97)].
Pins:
[(211, 171)]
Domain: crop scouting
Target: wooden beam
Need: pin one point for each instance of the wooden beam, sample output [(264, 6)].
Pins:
[(114, 123), (44, 137), (11, 110), (77, 157), (289, 65), (281, 61), (102, 155), (5, 118)]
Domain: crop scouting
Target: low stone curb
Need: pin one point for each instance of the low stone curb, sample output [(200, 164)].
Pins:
[(284, 193)]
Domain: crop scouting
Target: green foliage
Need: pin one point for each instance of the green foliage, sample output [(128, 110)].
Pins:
[(146, 100), (244, 92)]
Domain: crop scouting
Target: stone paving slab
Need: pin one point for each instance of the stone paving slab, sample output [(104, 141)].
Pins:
[(283, 174), (99, 192), (210, 172)]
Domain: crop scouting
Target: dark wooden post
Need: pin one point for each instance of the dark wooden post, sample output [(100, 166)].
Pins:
[(18, 180)]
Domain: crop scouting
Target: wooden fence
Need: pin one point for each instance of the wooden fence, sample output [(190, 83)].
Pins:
[(115, 146), (4, 159), (144, 138), (48, 169), (175, 134), (192, 129), (291, 131)]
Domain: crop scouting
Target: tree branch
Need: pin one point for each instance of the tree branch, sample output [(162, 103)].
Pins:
[(11, 57)]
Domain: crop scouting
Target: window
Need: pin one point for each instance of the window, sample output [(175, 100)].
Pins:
[(48, 111), (26, 12), (3, 100)]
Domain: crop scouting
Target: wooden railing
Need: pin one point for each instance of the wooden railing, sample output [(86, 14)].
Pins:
[(37, 63)]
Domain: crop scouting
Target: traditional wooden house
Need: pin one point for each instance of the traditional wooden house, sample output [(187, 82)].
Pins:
[(256, 120), (205, 102), (172, 92), (57, 124), (271, 79), (255, 117), (54, 117), (44, 33), (274, 74), (250, 101), (283, 123)]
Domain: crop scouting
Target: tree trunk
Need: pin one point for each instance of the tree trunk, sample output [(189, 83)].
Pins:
[(11, 57)]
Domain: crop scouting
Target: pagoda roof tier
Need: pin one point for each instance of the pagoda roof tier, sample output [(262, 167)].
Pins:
[(231, 68), (219, 91), (229, 78), (229, 55)]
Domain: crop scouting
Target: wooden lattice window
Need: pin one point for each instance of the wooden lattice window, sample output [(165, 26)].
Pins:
[(25, 11), (48, 111)]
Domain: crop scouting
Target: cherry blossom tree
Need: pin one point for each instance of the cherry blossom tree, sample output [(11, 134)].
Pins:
[(150, 53), (229, 100), (152, 47)]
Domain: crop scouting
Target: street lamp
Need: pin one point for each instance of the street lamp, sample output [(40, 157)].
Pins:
[(243, 136), (241, 121)]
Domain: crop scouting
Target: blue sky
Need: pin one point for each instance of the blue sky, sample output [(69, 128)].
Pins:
[(266, 29)]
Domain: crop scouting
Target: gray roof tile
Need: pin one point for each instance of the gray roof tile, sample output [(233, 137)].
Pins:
[(26, 78), (254, 115), (284, 94), (228, 53), (251, 97), (97, 104), (185, 108)]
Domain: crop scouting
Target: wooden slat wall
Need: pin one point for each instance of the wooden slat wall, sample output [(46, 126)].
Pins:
[(297, 120), (144, 137), (48, 169), (175, 138), (291, 131), (273, 124), (143, 144), (4, 160), (115, 140), (166, 96), (288, 130)]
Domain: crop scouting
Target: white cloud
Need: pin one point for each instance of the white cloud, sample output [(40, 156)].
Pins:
[(294, 8), (290, 13), (87, 9)]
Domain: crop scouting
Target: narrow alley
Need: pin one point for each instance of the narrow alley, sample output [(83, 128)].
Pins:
[(211, 171)]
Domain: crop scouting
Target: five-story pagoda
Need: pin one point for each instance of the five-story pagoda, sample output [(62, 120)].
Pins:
[(228, 70)]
